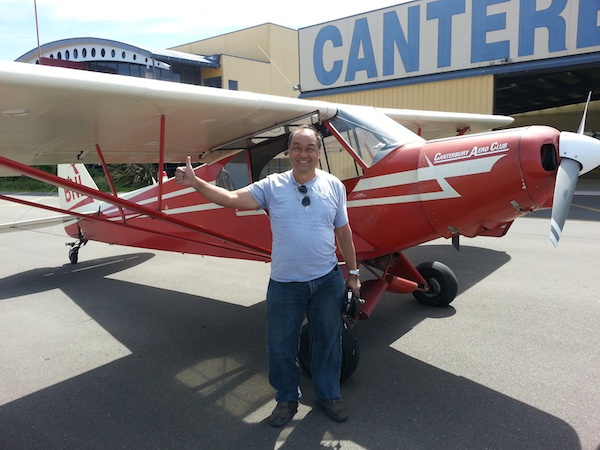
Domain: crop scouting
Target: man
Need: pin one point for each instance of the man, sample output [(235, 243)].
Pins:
[(307, 210)]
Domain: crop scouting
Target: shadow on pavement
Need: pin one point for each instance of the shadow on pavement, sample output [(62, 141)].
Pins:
[(197, 377)]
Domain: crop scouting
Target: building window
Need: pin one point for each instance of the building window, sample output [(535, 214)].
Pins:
[(213, 82), (123, 69), (135, 71), (233, 85)]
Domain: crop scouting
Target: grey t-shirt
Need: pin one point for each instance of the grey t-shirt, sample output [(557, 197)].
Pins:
[(303, 236)]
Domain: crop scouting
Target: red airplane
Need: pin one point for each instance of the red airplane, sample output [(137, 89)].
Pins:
[(403, 190)]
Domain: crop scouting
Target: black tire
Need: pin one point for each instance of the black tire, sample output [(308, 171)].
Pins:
[(350, 353), (73, 256), (443, 285)]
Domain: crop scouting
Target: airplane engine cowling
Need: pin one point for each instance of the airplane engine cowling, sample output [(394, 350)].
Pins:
[(475, 183)]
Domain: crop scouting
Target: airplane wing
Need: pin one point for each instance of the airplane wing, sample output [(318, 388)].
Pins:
[(53, 115), (562, 118), (440, 124)]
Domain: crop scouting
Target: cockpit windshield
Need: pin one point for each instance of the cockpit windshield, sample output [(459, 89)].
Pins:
[(370, 133)]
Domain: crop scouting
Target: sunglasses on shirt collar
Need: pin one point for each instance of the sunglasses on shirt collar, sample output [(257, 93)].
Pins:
[(303, 190)]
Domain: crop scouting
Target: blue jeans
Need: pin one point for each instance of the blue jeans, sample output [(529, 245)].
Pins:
[(287, 303)]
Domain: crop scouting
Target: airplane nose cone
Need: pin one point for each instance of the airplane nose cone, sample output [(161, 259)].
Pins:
[(581, 148), (579, 154)]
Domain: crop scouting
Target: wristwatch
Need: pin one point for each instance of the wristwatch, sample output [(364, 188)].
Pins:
[(354, 272)]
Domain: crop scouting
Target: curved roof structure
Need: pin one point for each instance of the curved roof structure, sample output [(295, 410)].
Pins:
[(87, 49)]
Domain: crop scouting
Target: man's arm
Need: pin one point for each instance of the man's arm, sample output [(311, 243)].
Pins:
[(346, 246), (241, 198)]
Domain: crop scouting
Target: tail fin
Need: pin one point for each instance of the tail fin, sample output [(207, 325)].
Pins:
[(80, 175)]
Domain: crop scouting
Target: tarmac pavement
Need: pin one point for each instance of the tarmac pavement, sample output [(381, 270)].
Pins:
[(140, 349)]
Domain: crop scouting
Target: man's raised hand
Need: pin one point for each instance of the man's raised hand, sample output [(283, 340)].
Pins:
[(184, 175)]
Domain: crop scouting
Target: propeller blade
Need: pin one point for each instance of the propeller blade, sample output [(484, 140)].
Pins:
[(579, 154), (566, 182), (584, 117)]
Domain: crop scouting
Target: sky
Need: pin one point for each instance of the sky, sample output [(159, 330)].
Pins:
[(158, 24)]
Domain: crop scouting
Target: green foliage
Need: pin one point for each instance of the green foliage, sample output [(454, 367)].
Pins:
[(133, 176), (26, 184), (126, 177)]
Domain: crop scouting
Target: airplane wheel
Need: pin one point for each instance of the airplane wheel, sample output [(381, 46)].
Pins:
[(350, 353), (443, 285), (73, 256)]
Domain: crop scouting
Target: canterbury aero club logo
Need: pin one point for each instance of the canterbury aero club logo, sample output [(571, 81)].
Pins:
[(476, 160), (495, 147)]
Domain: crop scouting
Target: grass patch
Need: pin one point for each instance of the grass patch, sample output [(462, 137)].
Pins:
[(126, 177)]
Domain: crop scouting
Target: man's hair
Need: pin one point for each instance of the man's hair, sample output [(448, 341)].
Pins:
[(318, 135)]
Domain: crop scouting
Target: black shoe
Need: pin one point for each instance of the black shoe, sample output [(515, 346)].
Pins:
[(283, 413), (335, 409)]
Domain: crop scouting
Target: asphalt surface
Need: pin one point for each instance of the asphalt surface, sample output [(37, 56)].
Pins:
[(140, 349)]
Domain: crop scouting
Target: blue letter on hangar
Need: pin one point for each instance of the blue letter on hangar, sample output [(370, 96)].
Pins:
[(588, 31), (549, 18), (331, 34), (443, 11)]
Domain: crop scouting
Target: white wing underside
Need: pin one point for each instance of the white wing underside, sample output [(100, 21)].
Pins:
[(52, 115)]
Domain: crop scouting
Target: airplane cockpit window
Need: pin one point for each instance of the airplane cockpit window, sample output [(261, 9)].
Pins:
[(334, 159), (268, 155), (370, 133), (266, 152), (234, 175)]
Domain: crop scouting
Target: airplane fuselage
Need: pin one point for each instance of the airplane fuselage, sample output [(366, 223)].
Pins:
[(471, 185)]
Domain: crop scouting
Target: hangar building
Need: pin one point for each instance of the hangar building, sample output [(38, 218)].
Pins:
[(529, 59)]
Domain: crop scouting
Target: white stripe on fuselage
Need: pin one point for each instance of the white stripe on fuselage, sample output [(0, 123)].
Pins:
[(439, 173)]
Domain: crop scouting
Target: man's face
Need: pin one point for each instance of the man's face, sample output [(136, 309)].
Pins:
[(304, 151)]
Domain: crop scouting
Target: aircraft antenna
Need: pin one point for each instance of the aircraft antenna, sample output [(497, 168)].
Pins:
[(294, 87), (37, 31)]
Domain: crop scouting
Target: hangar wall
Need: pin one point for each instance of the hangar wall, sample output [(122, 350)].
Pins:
[(471, 95)]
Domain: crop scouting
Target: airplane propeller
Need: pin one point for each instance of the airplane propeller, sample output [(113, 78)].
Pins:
[(579, 154)]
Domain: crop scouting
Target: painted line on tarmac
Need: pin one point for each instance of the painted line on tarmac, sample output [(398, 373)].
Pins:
[(586, 207)]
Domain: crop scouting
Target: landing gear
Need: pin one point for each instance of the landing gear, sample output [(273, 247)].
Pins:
[(350, 353), (75, 246), (443, 285), (431, 283), (74, 255)]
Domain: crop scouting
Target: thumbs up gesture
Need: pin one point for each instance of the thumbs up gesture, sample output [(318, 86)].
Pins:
[(184, 175)]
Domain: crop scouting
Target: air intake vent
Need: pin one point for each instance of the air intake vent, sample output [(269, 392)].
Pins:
[(549, 158)]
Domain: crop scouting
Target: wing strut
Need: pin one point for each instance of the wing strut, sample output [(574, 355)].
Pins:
[(110, 180), (95, 217), (40, 175), (161, 162)]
